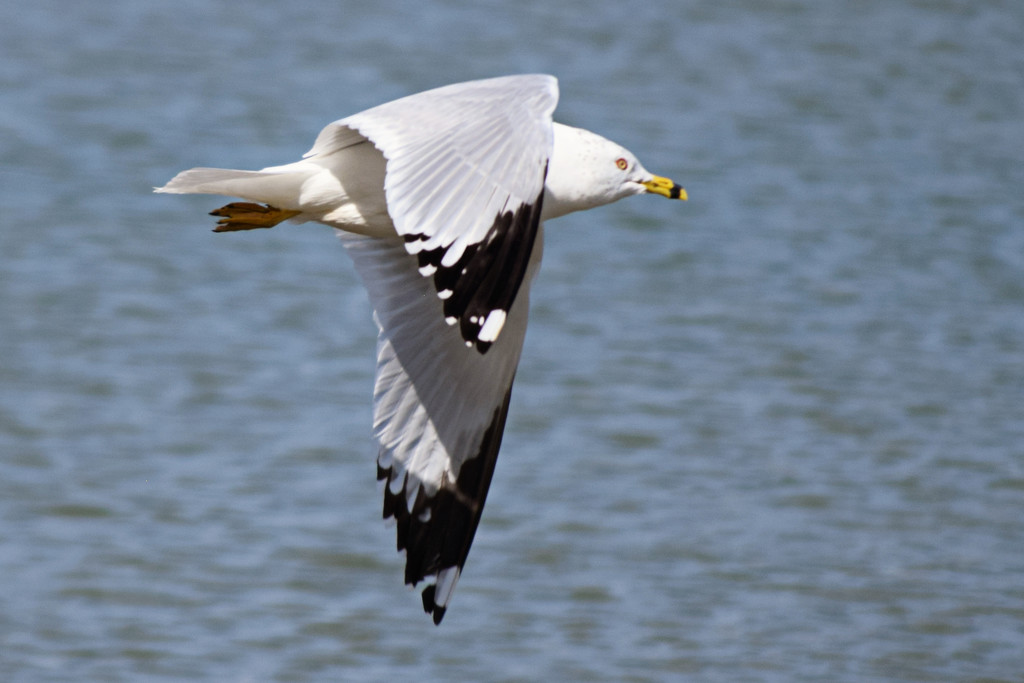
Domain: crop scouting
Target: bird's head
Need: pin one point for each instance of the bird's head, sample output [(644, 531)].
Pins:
[(587, 170)]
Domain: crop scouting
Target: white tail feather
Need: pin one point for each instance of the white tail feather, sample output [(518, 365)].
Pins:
[(280, 189)]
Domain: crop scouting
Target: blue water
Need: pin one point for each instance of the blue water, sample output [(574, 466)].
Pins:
[(773, 434)]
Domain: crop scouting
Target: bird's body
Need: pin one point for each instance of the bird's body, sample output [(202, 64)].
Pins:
[(342, 189), (439, 199)]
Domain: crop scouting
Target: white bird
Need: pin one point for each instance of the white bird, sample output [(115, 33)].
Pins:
[(439, 198)]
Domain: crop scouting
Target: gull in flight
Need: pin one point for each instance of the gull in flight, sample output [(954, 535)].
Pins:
[(439, 198)]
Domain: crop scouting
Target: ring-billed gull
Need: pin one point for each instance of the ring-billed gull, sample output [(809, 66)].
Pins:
[(439, 197)]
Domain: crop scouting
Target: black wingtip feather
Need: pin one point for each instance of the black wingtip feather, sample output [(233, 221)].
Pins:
[(489, 273), (436, 611), (442, 539)]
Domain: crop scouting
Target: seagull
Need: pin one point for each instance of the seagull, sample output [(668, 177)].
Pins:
[(439, 197)]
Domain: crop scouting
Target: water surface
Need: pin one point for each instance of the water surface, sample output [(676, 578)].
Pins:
[(773, 434)]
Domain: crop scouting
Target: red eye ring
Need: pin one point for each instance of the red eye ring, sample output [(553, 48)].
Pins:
[(622, 164)]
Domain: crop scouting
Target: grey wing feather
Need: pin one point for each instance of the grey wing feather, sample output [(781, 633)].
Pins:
[(466, 166)]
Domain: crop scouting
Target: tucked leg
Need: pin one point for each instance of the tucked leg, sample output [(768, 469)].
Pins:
[(249, 216)]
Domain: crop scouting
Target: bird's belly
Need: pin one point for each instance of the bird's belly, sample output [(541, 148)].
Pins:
[(354, 217), (348, 193)]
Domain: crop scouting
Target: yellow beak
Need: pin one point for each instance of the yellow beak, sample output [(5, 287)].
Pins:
[(665, 187)]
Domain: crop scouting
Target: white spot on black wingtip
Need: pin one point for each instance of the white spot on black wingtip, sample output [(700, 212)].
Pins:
[(445, 585), (478, 281), (491, 327)]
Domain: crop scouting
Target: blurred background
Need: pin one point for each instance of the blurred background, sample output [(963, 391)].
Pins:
[(773, 434)]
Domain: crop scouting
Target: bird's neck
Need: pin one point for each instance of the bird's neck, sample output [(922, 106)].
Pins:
[(567, 187)]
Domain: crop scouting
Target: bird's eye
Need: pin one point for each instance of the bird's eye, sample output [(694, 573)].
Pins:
[(622, 164)]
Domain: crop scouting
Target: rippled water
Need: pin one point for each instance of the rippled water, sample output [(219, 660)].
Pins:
[(774, 434)]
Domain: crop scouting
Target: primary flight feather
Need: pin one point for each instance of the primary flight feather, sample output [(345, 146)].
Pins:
[(439, 198)]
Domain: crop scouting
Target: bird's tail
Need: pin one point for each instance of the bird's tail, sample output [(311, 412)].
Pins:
[(279, 188)]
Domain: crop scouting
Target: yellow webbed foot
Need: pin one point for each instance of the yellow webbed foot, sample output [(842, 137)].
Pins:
[(249, 216)]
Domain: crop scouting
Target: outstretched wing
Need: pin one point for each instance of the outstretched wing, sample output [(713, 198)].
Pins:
[(466, 166), (439, 412)]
